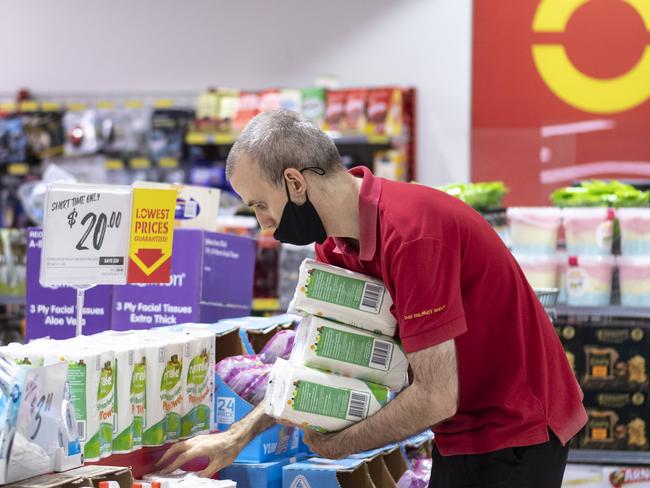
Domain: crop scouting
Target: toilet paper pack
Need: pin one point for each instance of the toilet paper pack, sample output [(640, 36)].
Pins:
[(198, 382), (349, 351), (91, 377), (343, 296), (322, 401)]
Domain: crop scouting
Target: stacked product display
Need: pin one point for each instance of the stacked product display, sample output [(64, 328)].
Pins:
[(585, 272), (342, 368)]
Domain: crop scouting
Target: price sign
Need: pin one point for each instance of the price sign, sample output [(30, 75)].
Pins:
[(86, 233)]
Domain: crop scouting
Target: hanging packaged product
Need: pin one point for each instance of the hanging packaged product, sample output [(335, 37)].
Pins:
[(313, 105), (385, 114), (270, 100), (44, 132), (248, 107), (334, 110), (355, 112), (91, 376), (351, 352), (291, 99), (13, 144), (324, 402), (80, 125), (198, 378), (344, 296), (130, 366), (167, 134)]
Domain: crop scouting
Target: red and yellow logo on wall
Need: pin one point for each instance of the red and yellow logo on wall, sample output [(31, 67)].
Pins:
[(561, 92)]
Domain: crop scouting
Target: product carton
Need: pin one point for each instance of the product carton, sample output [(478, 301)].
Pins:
[(276, 442), (327, 473), (258, 475), (197, 207), (212, 279)]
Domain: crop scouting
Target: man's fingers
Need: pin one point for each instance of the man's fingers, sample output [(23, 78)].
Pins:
[(178, 462), (171, 452), (212, 468)]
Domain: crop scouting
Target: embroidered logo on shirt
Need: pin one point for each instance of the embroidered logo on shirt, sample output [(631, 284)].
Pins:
[(424, 313)]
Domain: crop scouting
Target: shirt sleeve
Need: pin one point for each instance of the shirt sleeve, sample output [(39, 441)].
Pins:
[(427, 293)]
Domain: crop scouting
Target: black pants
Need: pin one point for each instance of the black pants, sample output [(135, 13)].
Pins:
[(540, 466)]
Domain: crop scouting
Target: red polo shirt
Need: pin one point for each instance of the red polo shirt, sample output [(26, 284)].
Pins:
[(451, 277)]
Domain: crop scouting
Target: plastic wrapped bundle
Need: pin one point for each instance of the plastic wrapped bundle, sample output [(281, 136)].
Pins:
[(349, 351), (229, 367), (251, 382), (343, 296), (319, 400), (418, 476), (279, 346)]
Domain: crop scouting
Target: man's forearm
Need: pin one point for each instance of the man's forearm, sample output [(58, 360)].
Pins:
[(252, 425), (409, 413)]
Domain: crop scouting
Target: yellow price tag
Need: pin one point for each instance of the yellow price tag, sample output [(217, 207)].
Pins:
[(224, 138), (196, 138), (51, 106), (140, 163), (164, 103), (76, 107), (261, 304), (18, 169), (168, 163), (134, 104), (105, 105), (7, 107), (114, 164), (28, 106)]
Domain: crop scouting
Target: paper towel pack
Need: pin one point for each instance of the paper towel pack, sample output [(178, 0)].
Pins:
[(322, 401), (343, 296), (349, 351)]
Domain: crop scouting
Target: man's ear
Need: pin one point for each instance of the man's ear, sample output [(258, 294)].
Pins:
[(296, 181)]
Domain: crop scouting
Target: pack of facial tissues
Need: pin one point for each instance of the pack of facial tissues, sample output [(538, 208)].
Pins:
[(342, 368)]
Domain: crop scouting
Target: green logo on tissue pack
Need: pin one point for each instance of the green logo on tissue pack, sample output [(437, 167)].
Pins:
[(138, 380), (198, 370), (171, 377), (105, 383)]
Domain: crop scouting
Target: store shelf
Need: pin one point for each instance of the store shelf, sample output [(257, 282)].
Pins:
[(220, 139), (12, 300), (609, 457), (610, 311)]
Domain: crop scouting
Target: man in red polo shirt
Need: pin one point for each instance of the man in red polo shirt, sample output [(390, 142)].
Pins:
[(490, 376)]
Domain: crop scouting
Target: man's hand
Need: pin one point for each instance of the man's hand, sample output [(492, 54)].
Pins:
[(221, 450), (326, 445)]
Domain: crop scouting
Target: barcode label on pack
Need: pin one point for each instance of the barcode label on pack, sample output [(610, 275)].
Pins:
[(382, 352), (358, 406), (81, 430), (372, 297)]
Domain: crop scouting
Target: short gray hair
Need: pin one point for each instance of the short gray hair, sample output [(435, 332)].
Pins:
[(282, 139)]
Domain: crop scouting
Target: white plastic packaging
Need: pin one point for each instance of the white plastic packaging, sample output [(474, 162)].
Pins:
[(349, 351), (91, 376), (198, 382), (344, 296), (541, 271), (534, 230), (318, 400)]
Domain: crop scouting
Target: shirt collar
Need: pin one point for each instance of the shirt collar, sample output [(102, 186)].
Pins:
[(368, 211)]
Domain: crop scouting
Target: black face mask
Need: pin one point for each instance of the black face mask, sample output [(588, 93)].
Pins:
[(300, 224)]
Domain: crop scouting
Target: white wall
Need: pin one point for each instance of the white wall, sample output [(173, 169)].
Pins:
[(173, 45)]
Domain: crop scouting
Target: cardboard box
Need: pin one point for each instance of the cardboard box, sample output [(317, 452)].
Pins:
[(617, 421), (616, 357), (418, 446), (86, 476), (570, 337), (258, 475), (378, 465), (197, 207), (328, 473), (274, 443), (212, 279), (51, 311), (255, 332)]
